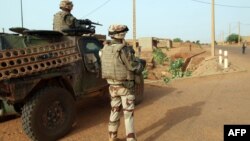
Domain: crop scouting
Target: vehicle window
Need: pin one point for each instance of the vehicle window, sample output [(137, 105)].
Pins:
[(92, 47)]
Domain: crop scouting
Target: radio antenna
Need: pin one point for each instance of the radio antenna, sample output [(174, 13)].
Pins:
[(22, 12)]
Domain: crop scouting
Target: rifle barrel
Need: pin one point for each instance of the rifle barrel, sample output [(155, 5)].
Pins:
[(96, 23)]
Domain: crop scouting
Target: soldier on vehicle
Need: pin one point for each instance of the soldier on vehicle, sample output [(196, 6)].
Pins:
[(65, 20), (119, 67)]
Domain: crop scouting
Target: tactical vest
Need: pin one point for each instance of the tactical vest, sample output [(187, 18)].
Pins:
[(59, 22), (112, 65)]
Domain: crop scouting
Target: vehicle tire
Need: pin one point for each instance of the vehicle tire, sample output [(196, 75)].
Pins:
[(49, 114), (139, 90)]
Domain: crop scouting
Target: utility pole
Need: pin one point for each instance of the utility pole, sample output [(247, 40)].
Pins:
[(134, 24), (239, 34), (212, 30), (22, 12), (229, 32)]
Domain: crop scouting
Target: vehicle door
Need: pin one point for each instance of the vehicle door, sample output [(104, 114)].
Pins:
[(90, 47)]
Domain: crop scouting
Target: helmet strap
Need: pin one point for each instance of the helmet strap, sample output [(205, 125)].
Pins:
[(117, 32)]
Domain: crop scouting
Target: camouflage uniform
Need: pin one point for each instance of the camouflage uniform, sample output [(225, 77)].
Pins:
[(65, 20), (122, 97), (118, 69)]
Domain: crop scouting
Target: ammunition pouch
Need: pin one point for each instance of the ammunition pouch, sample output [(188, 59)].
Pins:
[(138, 79)]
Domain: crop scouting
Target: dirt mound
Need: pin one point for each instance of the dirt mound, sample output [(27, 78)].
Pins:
[(198, 61), (191, 58), (210, 66)]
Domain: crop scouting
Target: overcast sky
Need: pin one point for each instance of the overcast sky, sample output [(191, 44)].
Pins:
[(186, 19)]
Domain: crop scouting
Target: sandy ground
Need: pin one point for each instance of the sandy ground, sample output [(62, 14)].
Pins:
[(184, 110)]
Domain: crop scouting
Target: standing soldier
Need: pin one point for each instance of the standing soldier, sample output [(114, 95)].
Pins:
[(119, 66), (65, 20)]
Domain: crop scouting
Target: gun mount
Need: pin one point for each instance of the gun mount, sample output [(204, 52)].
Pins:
[(84, 27)]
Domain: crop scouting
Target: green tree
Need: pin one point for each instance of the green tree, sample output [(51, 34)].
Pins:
[(177, 40), (233, 38)]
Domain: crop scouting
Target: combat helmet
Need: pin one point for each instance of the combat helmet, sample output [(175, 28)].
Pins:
[(118, 31), (66, 4)]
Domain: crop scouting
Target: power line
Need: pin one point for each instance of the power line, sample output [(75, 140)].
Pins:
[(94, 10), (223, 5), (247, 24), (235, 27)]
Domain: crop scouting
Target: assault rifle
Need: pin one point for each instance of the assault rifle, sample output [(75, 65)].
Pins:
[(85, 26), (88, 22)]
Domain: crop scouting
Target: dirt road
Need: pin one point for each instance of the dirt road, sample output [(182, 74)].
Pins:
[(184, 110)]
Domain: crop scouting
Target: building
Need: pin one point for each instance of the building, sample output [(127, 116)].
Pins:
[(148, 43)]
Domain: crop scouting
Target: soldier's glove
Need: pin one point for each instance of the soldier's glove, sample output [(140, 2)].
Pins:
[(86, 21), (140, 67)]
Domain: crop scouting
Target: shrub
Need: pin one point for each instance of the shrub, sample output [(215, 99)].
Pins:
[(159, 56), (145, 73), (233, 38), (176, 69), (177, 40)]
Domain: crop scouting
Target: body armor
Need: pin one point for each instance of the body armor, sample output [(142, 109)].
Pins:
[(112, 65), (61, 22)]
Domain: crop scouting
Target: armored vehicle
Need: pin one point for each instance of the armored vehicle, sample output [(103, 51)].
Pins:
[(43, 73)]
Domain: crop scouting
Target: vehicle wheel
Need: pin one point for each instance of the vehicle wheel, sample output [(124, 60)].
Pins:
[(49, 114), (139, 91)]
